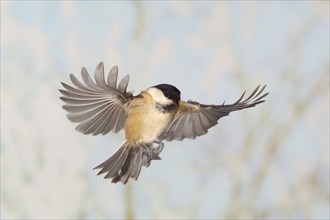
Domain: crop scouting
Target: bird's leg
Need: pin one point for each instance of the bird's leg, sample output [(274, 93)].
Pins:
[(151, 153), (147, 154), (145, 160), (159, 148)]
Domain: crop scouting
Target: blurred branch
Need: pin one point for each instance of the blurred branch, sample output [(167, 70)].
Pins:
[(296, 200), (276, 141), (139, 21), (138, 35), (281, 134), (129, 213)]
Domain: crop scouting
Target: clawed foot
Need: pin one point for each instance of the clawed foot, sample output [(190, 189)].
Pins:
[(152, 153), (158, 149)]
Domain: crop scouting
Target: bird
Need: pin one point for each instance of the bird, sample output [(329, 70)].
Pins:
[(155, 115)]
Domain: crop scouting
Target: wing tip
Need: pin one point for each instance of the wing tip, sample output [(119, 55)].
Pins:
[(62, 91), (100, 64), (84, 70), (114, 69)]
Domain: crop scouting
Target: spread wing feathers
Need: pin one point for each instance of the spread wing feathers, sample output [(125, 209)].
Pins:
[(194, 119), (98, 107)]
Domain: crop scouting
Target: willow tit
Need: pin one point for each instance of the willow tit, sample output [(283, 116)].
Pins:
[(154, 115)]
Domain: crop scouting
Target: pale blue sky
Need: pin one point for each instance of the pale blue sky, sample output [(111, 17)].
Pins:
[(212, 51)]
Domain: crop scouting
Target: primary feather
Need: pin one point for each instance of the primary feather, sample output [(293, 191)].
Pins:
[(98, 107)]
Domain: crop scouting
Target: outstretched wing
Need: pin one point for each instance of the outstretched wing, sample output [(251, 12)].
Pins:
[(194, 119), (98, 107)]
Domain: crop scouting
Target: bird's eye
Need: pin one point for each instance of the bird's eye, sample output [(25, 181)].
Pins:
[(166, 94)]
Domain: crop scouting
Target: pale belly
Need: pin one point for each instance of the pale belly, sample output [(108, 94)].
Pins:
[(144, 125)]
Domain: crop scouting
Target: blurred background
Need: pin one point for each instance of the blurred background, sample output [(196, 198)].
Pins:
[(268, 162)]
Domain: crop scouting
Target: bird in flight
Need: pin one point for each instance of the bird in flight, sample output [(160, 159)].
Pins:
[(155, 115)]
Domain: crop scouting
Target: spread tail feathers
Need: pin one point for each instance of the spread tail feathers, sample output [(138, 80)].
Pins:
[(125, 163)]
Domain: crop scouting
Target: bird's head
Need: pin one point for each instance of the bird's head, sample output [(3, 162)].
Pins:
[(165, 94)]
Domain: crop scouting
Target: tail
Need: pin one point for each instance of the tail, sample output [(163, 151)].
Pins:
[(125, 163)]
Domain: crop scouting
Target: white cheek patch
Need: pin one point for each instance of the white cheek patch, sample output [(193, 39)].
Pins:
[(158, 96)]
